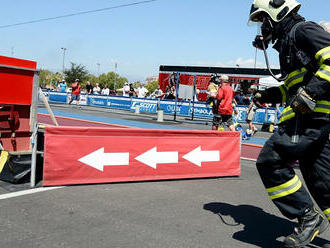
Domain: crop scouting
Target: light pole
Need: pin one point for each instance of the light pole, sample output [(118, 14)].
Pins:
[(64, 50), (115, 76), (98, 68)]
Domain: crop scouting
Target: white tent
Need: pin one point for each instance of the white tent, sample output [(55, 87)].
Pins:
[(267, 82)]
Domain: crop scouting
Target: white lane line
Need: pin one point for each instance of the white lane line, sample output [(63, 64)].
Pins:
[(27, 192), (249, 159)]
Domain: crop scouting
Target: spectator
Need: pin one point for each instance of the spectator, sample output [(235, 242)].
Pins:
[(247, 97), (89, 88), (63, 86), (105, 91), (75, 95), (252, 109), (225, 98), (239, 98), (170, 92), (158, 93), (97, 89), (141, 91), (131, 90), (126, 89)]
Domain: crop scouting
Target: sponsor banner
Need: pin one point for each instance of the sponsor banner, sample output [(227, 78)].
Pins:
[(183, 108), (102, 155), (82, 101), (148, 106), (57, 97)]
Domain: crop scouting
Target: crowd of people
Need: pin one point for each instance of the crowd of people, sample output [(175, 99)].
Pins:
[(223, 102)]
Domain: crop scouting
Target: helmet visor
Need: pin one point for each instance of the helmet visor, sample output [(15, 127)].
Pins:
[(256, 16)]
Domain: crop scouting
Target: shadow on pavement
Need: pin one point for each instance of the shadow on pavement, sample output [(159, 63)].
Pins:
[(260, 228)]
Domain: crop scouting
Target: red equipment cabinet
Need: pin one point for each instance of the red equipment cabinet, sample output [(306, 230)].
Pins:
[(19, 81)]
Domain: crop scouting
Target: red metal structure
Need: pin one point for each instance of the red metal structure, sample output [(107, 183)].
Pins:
[(19, 81), (242, 77)]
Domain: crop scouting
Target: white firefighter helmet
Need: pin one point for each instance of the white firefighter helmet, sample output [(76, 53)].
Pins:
[(276, 9)]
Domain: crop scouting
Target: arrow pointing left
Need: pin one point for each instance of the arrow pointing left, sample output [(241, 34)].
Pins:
[(99, 159)]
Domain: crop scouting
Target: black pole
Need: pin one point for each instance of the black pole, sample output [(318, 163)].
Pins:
[(176, 93), (193, 100)]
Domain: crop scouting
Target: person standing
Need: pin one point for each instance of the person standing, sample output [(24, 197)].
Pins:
[(97, 89), (75, 95), (212, 91), (225, 98), (304, 127), (89, 88), (63, 86), (141, 91), (126, 89)]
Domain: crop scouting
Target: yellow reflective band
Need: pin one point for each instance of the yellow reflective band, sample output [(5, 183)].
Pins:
[(285, 189), (327, 213), (284, 91), (322, 107), (323, 55), (287, 114), (3, 159), (295, 77), (324, 72)]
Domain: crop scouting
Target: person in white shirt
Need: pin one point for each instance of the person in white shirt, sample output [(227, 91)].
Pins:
[(126, 89), (96, 89), (105, 91), (141, 91), (158, 93)]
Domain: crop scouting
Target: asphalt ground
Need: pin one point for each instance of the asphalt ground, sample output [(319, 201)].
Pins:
[(216, 212)]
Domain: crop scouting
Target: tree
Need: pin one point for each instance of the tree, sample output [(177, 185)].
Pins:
[(151, 86), (92, 79), (76, 71), (110, 79), (45, 77)]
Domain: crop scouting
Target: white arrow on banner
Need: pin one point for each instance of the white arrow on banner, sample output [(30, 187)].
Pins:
[(152, 158), (198, 156), (99, 159)]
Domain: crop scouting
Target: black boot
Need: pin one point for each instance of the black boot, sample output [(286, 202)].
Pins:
[(309, 226)]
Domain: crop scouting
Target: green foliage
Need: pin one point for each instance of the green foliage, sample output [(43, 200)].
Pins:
[(45, 77), (76, 71), (92, 79), (111, 80), (151, 86)]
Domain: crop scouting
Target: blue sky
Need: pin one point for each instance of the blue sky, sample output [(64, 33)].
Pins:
[(139, 38)]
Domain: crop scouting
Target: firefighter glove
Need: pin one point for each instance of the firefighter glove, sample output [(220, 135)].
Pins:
[(257, 43), (303, 103)]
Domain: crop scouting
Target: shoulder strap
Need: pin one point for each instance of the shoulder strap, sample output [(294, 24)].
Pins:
[(292, 34)]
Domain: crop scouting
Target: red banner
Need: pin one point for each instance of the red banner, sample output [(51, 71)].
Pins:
[(81, 155)]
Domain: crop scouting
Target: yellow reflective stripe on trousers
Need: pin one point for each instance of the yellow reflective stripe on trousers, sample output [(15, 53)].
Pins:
[(3, 159), (295, 77), (327, 213), (284, 91), (287, 114), (285, 189), (323, 55), (322, 107), (324, 72)]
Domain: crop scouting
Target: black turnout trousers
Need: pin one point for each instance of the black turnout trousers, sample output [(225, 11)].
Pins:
[(312, 150)]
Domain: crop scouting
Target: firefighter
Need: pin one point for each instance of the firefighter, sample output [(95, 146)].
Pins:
[(212, 92), (304, 130)]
